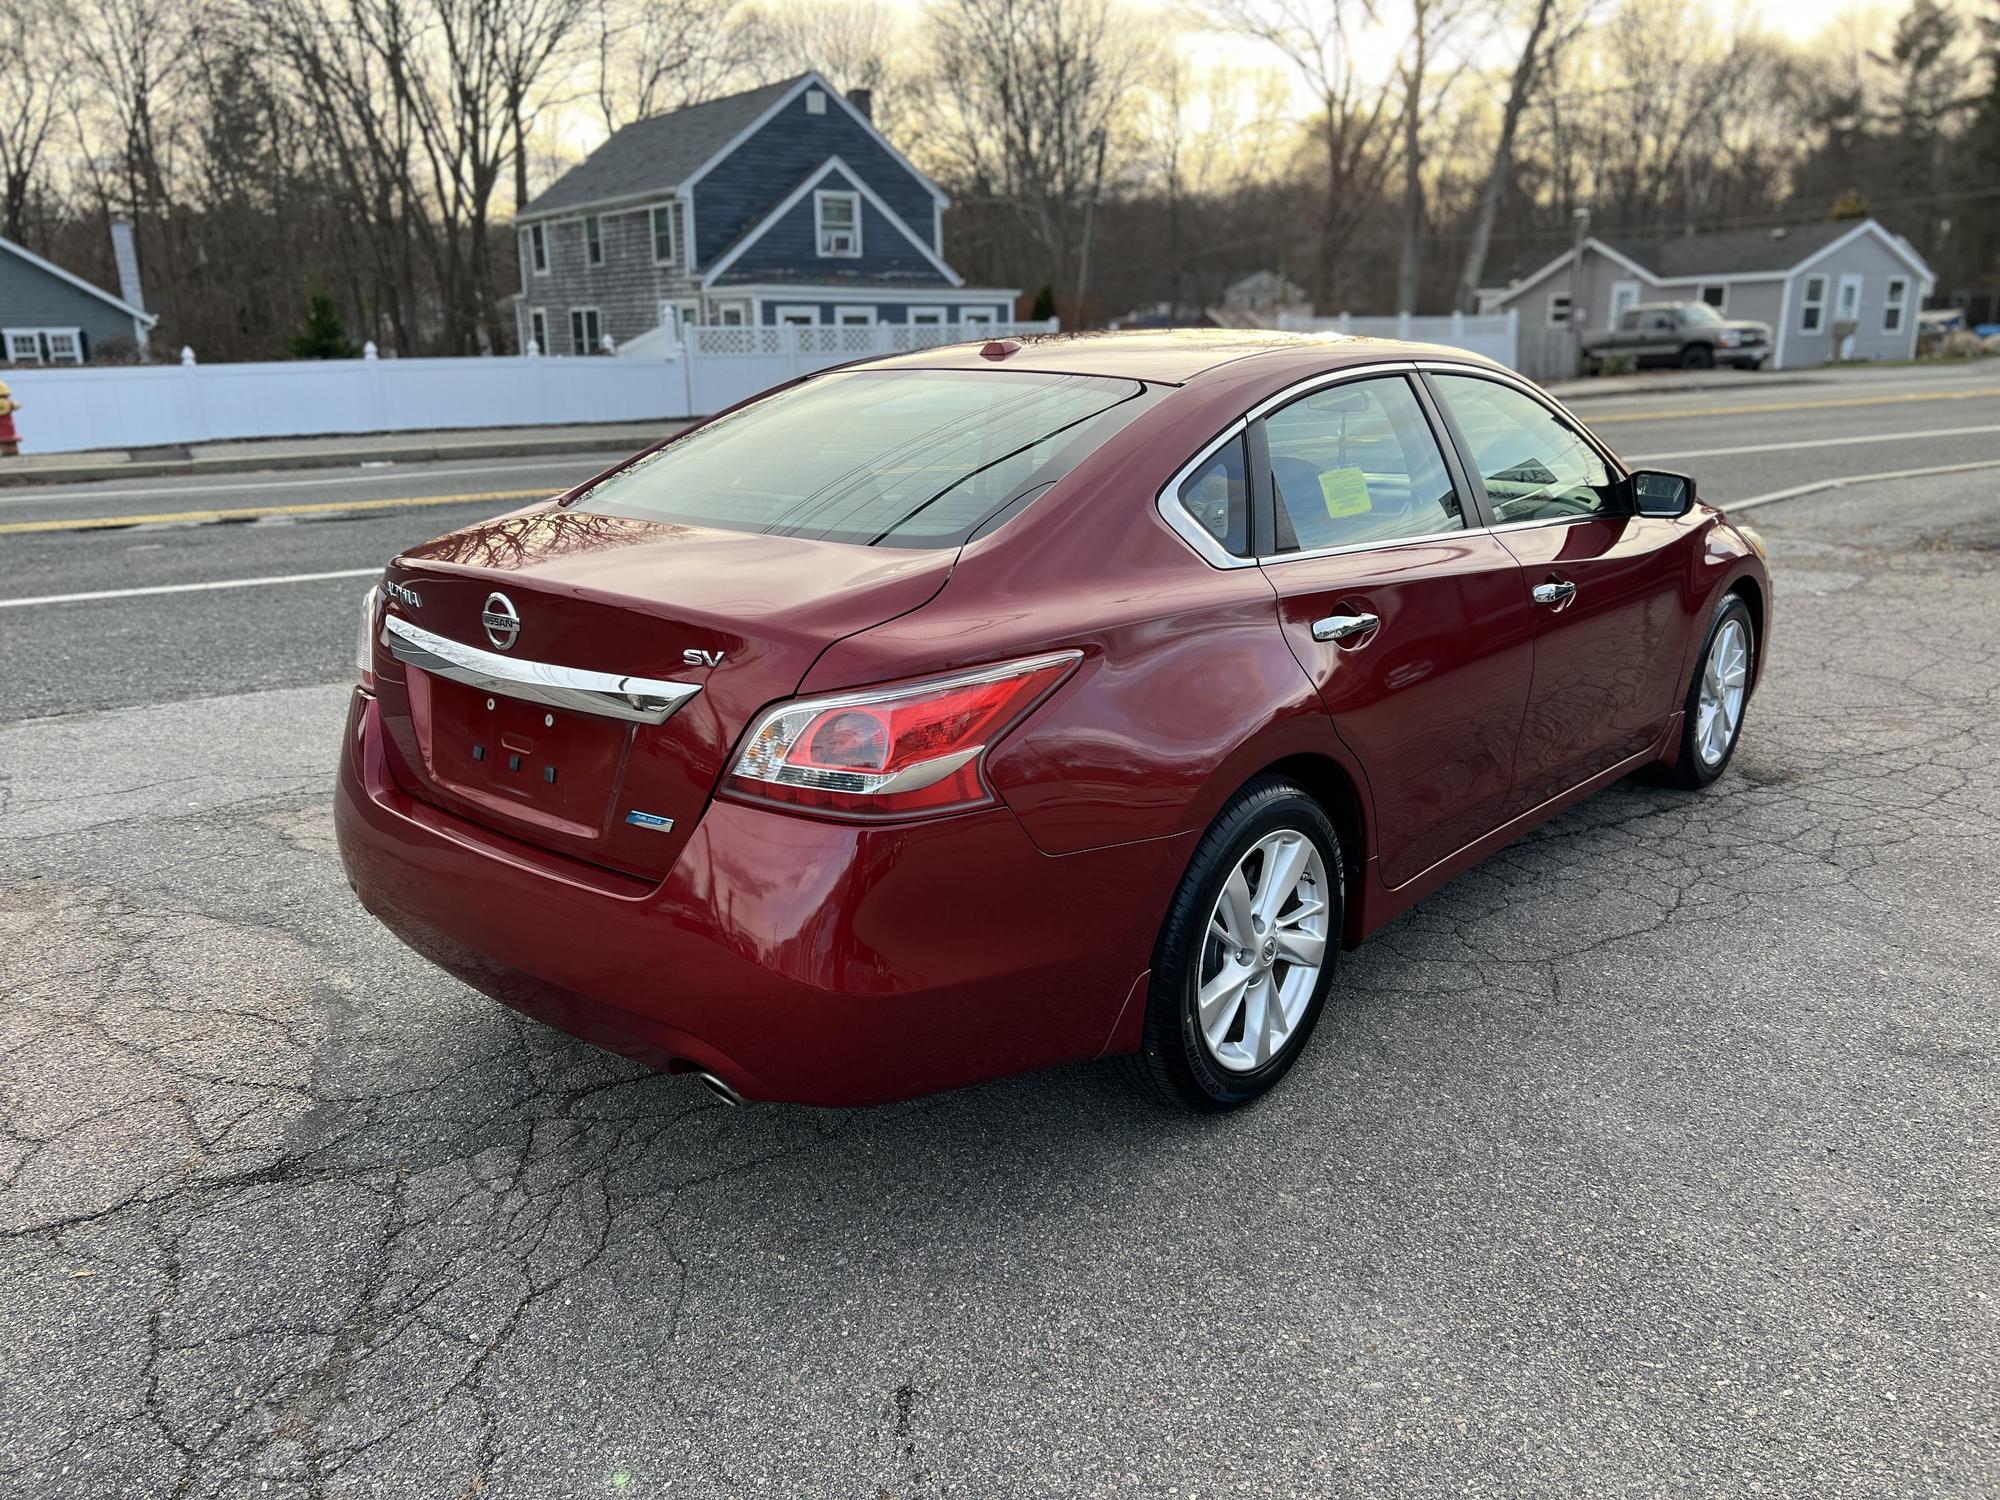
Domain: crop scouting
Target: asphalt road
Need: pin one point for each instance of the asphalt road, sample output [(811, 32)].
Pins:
[(1657, 1156)]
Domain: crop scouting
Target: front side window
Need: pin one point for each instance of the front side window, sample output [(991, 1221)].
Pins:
[(538, 247), (911, 458), (1812, 311), (1699, 312), (1536, 466), (593, 240), (538, 330), (1893, 300), (584, 330), (1217, 497), (839, 216), (663, 236), (1357, 463), (1628, 321)]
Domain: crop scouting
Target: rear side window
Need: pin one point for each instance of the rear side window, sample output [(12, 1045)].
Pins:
[(913, 458), (1358, 463), (1217, 496)]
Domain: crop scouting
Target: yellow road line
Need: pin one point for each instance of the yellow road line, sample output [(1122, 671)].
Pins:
[(253, 512), (1686, 412)]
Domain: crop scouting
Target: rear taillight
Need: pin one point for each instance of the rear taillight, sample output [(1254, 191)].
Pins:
[(364, 648), (909, 750)]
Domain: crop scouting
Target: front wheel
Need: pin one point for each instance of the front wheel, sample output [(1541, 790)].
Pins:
[(1712, 717), (1697, 357), (1245, 957)]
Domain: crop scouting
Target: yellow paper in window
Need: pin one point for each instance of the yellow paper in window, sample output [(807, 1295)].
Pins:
[(1345, 492)]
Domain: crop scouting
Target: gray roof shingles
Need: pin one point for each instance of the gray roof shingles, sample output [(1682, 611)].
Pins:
[(1732, 252), (654, 155)]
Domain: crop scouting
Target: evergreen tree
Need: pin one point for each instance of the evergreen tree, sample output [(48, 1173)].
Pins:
[(324, 334)]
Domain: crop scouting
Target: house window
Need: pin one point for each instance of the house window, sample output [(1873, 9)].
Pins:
[(1812, 311), (44, 346), (585, 333), (1892, 304), (1624, 294), (731, 314), (799, 317), (981, 317), (838, 216), (538, 329), (1716, 295), (1559, 310), (538, 248), (663, 236), (593, 240), (852, 317), (928, 317), (815, 102)]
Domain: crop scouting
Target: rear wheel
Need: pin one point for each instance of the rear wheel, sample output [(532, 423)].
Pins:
[(1697, 357), (1713, 713), (1246, 955)]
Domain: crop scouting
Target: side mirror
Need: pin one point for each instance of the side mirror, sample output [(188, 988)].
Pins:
[(1657, 493)]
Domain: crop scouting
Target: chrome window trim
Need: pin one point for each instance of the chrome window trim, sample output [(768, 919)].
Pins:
[(636, 700), (1217, 556)]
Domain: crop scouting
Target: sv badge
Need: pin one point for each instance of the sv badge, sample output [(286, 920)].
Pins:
[(693, 658)]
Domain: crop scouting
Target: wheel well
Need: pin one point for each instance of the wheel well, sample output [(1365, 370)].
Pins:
[(1329, 785), (1752, 595)]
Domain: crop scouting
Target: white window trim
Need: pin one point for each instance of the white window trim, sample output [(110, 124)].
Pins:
[(724, 309), (1858, 282), (1618, 289), (590, 346), (538, 249), (842, 317), (1553, 320), (820, 196), (1896, 299), (937, 315), (35, 338), (815, 102), (810, 309), (672, 256), (1701, 294), (538, 328), (1812, 310), (593, 239), (977, 317)]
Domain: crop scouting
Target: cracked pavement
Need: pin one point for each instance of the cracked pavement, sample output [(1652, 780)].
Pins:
[(1656, 1156)]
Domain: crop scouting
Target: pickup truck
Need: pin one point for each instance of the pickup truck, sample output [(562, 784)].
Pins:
[(1692, 335)]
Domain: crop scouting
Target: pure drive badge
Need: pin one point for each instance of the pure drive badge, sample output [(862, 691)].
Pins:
[(649, 820)]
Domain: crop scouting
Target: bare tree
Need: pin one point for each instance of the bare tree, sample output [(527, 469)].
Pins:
[(1316, 37), (35, 55), (1431, 25), (651, 56)]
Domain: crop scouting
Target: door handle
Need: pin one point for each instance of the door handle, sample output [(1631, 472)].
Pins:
[(1559, 592), (1344, 627)]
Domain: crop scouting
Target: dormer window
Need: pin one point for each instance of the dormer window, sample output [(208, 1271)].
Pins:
[(838, 216), (815, 102)]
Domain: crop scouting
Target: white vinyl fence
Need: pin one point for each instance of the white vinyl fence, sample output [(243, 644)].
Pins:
[(1496, 335), (151, 406)]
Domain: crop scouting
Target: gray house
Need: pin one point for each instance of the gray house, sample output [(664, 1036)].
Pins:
[(780, 205), (50, 317), (1843, 290)]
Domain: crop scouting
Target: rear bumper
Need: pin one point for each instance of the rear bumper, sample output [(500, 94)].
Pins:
[(799, 960)]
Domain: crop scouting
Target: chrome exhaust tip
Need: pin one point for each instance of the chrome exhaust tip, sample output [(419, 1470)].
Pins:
[(721, 1090)]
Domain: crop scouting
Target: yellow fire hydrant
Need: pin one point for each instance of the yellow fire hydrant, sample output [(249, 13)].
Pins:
[(10, 440)]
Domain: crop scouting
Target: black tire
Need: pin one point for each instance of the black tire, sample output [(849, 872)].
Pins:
[(1697, 357), (1173, 1062), (1689, 771)]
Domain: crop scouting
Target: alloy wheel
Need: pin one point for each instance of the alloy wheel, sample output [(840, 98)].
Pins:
[(1719, 704), (1262, 951)]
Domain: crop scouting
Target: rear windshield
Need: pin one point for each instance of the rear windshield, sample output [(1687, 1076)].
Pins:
[(912, 458)]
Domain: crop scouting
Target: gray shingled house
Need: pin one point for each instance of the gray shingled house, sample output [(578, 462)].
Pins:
[(48, 316), (1842, 290), (780, 205)]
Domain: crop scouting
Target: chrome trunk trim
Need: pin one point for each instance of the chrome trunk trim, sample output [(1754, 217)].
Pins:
[(637, 700)]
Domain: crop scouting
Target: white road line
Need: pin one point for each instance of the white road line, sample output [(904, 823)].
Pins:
[(385, 475), (1836, 442), (191, 588), (1842, 481)]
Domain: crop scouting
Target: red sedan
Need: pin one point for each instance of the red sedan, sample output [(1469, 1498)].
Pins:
[(985, 708)]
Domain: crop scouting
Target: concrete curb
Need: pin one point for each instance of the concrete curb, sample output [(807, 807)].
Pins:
[(1845, 481), (432, 451)]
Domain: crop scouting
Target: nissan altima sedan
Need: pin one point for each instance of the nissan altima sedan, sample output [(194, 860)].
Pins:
[(990, 707)]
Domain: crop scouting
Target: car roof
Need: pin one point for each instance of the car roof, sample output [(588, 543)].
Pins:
[(1175, 356)]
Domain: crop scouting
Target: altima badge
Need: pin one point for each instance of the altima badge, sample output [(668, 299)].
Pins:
[(502, 620), (402, 595)]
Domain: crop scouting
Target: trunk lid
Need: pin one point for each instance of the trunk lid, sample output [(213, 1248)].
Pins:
[(740, 616)]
